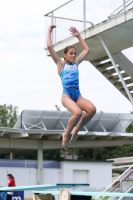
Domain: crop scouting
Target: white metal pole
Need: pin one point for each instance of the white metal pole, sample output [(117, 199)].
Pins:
[(52, 18), (52, 22), (55, 30), (84, 16), (119, 74), (124, 6)]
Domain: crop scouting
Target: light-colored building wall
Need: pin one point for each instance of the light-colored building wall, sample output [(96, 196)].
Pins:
[(23, 176), (51, 176), (97, 174)]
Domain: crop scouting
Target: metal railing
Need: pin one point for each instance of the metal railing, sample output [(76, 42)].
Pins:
[(122, 8), (116, 180), (128, 191), (126, 59), (84, 22)]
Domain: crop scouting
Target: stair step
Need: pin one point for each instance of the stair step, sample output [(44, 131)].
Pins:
[(119, 84), (130, 88), (125, 67), (111, 71), (104, 65), (116, 77)]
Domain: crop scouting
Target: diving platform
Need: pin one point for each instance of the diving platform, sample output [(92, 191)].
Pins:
[(117, 32), (106, 41)]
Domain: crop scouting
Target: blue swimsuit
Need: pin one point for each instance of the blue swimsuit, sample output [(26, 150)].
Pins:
[(70, 81)]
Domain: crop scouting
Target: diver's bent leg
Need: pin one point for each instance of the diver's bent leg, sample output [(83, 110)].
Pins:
[(90, 110), (77, 113)]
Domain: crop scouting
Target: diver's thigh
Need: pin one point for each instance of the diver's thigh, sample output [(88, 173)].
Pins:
[(68, 103), (85, 104)]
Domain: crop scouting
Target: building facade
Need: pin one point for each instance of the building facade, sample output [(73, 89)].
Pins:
[(97, 174)]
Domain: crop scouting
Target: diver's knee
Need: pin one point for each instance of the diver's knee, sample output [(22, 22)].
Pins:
[(78, 113), (91, 110)]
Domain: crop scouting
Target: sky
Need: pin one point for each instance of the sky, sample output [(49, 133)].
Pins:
[(28, 77)]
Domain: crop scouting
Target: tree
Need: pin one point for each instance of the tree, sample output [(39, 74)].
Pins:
[(58, 108), (104, 153), (8, 115), (52, 155), (32, 155), (8, 118), (130, 127)]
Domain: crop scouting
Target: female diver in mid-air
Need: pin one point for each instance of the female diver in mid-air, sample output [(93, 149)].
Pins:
[(71, 97)]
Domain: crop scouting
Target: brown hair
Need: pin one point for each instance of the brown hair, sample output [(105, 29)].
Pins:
[(11, 176), (67, 48)]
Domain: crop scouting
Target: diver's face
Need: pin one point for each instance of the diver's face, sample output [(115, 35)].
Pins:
[(70, 56)]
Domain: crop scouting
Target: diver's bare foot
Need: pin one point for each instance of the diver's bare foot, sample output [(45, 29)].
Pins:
[(65, 141), (74, 136)]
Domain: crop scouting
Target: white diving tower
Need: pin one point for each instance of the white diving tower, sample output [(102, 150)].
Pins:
[(106, 40)]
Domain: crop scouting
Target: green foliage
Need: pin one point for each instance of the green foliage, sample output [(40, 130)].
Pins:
[(130, 129), (93, 154), (8, 115), (105, 198), (52, 155), (29, 155), (57, 108), (8, 118), (32, 155), (4, 156), (104, 153)]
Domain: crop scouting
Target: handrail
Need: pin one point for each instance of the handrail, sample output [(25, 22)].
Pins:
[(118, 184), (112, 189), (126, 7), (128, 175), (118, 7), (116, 180), (58, 8), (130, 189), (126, 59), (113, 13), (77, 20), (51, 14)]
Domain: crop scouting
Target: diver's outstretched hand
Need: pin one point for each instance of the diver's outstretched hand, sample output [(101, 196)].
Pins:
[(74, 31), (52, 27)]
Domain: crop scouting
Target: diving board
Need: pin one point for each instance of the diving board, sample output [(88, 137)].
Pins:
[(88, 193), (41, 187)]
